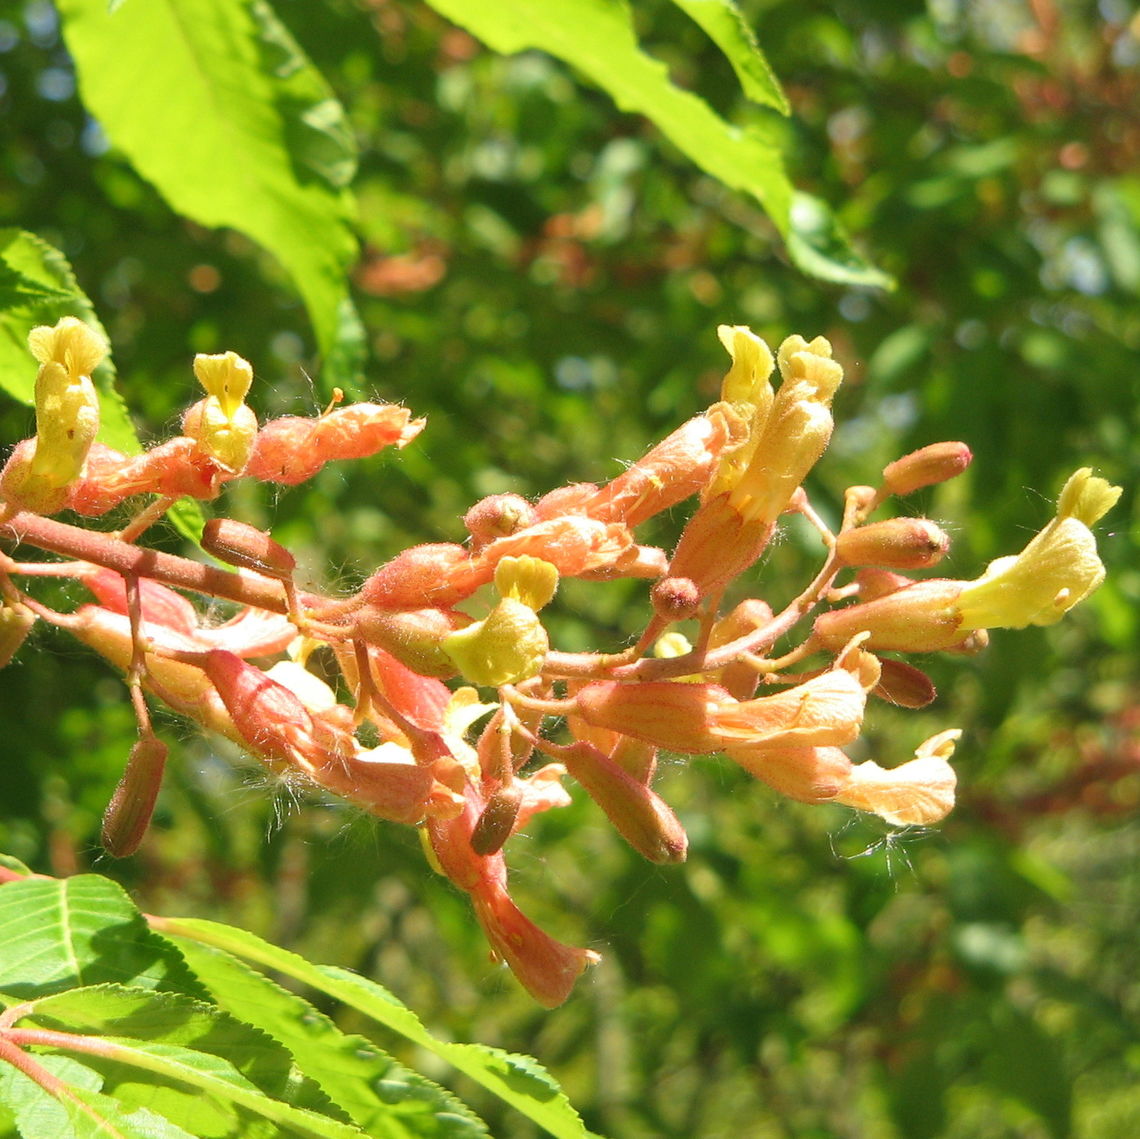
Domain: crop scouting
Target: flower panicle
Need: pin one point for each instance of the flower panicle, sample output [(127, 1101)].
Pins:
[(346, 695)]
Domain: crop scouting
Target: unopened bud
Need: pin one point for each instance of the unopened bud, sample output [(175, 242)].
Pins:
[(415, 637), (497, 516), (641, 817), (675, 598), (16, 622), (926, 467), (495, 824), (129, 812), (238, 544), (903, 684), (740, 678), (897, 543), (875, 583)]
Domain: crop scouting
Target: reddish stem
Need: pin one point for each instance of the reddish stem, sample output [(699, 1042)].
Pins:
[(242, 586)]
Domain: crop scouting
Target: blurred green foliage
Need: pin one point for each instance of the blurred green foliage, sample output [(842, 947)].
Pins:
[(542, 276)]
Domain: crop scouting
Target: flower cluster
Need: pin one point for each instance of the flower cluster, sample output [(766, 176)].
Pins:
[(479, 721)]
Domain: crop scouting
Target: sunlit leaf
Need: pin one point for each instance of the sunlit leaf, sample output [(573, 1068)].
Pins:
[(378, 1093), (61, 933), (726, 26), (517, 1080), (236, 128)]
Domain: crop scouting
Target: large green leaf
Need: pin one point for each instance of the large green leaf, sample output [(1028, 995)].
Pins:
[(517, 1080), (380, 1095), (597, 38), (214, 103), (62, 933), (37, 286)]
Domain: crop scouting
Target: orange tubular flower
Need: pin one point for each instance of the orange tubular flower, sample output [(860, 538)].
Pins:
[(546, 968), (700, 718)]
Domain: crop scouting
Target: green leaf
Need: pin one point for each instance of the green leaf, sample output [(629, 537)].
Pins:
[(214, 103), (176, 1019), (379, 1094), (517, 1080), (80, 1112), (819, 245), (725, 25), (38, 287), (61, 933), (598, 39)]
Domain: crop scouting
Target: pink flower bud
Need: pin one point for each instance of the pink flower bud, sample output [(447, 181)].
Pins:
[(498, 516), (897, 543), (238, 544), (174, 468), (573, 544), (677, 468), (422, 576), (664, 713), (926, 467), (718, 543), (129, 812), (572, 499), (675, 598)]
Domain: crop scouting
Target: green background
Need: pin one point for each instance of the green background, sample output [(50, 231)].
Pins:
[(542, 277)]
